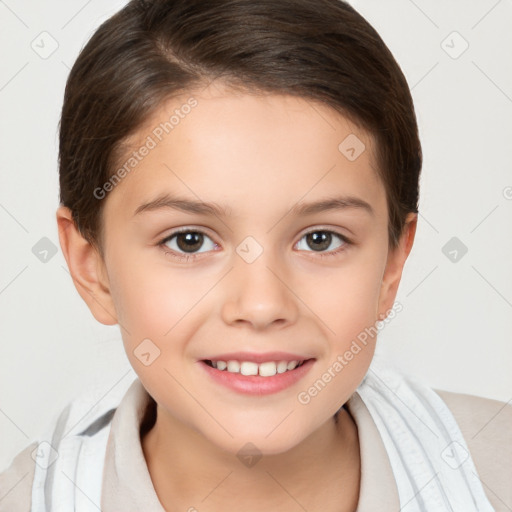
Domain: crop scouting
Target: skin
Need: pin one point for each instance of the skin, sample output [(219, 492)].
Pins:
[(258, 156)]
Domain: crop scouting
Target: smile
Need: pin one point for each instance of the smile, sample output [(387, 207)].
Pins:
[(256, 378)]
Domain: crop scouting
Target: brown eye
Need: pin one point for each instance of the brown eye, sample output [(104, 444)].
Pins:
[(322, 241), (319, 240), (187, 241)]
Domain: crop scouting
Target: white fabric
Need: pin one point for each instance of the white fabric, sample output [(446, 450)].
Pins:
[(432, 467), (430, 459), (69, 469), (77, 474)]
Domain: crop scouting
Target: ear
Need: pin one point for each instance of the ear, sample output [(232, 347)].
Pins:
[(394, 266), (87, 269)]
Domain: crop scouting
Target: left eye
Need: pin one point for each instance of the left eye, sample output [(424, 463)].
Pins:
[(321, 240)]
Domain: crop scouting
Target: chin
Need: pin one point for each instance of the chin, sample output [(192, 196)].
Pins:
[(259, 442), (244, 447)]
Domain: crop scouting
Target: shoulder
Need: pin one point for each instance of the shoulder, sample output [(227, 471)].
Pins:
[(16, 482), (83, 417), (486, 425)]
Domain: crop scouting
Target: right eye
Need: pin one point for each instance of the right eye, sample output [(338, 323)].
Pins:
[(187, 240)]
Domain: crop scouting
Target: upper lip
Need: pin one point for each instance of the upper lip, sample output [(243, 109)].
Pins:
[(258, 358)]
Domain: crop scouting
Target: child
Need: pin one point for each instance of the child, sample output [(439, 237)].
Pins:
[(239, 192)]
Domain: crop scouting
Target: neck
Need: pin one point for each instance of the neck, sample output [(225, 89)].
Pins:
[(188, 471)]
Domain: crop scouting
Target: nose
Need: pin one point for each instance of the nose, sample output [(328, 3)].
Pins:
[(258, 294)]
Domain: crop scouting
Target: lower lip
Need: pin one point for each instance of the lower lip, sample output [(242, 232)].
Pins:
[(255, 384)]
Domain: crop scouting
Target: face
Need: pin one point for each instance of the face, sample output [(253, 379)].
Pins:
[(254, 273)]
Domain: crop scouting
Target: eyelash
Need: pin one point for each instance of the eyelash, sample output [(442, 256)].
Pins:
[(189, 257)]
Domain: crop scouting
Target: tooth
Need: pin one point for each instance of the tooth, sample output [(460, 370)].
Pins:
[(282, 366), (222, 365), (214, 364), (249, 368), (268, 369), (233, 366), (292, 364)]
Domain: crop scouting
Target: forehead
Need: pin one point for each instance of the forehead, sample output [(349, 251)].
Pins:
[(246, 151)]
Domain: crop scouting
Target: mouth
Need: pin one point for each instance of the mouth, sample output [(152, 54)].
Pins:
[(262, 376)]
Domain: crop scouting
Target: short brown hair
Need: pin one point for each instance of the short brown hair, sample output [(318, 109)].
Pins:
[(151, 51)]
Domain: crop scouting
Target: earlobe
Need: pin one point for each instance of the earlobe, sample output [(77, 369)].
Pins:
[(394, 266), (87, 269)]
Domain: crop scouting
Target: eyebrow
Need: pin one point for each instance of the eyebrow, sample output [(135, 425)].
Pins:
[(168, 201)]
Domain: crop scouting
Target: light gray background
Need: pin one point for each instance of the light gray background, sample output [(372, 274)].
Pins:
[(454, 330)]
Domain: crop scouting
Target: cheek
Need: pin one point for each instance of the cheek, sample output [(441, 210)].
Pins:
[(152, 312), (150, 299), (163, 305), (347, 309), (347, 301)]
